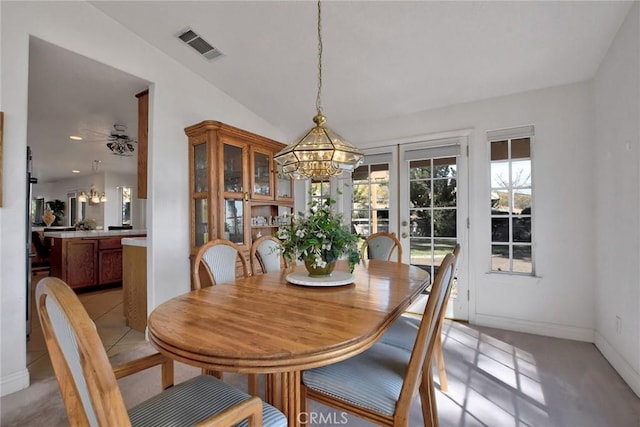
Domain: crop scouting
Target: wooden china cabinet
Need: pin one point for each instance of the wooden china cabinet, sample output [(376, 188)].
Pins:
[(236, 191)]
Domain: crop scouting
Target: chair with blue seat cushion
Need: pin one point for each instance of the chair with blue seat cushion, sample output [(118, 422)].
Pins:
[(267, 253), (219, 258), (89, 387), (379, 384), (402, 332), (381, 245)]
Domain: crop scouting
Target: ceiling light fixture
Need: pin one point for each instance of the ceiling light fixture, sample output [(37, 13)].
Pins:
[(119, 143), (320, 153), (93, 197), (75, 138)]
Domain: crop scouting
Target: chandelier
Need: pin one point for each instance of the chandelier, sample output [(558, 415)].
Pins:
[(93, 196), (320, 153)]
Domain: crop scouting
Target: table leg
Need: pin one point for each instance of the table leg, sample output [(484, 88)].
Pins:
[(282, 390)]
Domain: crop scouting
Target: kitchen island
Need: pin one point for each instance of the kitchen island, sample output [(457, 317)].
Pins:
[(89, 259)]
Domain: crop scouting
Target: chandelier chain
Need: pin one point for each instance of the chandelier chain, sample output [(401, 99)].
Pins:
[(318, 100)]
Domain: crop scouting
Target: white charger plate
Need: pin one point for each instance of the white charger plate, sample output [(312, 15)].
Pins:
[(337, 278)]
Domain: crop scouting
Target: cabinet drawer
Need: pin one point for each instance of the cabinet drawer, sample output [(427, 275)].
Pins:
[(113, 243)]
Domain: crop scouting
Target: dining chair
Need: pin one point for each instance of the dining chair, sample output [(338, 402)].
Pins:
[(266, 251), (219, 259), (402, 332), (89, 387), (381, 245), (379, 384)]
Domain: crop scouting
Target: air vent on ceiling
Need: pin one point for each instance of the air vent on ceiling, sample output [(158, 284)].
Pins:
[(203, 47)]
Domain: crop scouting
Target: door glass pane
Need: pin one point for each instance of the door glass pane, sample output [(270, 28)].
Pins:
[(433, 211), (370, 199), (420, 225), (233, 221), (444, 223), (233, 169), (421, 251), (420, 193), (261, 174), (201, 165), (201, 225), (444, 193), (500, 258)]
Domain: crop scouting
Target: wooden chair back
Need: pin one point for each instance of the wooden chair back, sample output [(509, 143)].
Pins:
[(219, 258), (266, 255), (87, 382), (381, 245)]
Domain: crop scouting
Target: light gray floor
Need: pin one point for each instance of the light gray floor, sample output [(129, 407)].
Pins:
[(496, 378)]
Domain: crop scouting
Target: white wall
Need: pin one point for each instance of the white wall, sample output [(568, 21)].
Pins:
[(616, 89), (559, 301), (178, 98)]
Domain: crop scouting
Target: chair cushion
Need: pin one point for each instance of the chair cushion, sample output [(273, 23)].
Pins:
[(269, 252), (371, 380), (194, 400), (380, 247), (402, 333)]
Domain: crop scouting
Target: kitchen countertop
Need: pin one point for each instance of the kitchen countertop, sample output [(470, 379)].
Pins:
[(93, 233), (135, 241)]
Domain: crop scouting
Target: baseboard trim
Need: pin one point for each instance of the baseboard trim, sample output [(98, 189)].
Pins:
[(14, 382), (622, 367), (538, 328)]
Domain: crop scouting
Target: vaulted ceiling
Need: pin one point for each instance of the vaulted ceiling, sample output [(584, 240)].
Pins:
[(381, 59)]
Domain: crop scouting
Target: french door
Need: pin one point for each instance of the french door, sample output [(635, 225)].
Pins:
[(419, 192)]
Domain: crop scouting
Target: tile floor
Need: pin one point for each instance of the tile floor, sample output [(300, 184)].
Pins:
[(106, 310)]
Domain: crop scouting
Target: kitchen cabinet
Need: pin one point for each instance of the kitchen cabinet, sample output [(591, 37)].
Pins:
[(87, 259), (235, 189)]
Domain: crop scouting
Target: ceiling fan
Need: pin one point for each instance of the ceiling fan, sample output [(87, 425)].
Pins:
[(118, 141)]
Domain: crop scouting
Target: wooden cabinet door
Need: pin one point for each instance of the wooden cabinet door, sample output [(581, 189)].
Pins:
[(110, 262), (81, 263)]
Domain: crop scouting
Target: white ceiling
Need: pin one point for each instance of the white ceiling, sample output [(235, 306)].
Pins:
[(380, 60)]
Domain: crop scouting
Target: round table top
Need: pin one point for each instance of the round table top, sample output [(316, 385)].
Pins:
[(263, 324)]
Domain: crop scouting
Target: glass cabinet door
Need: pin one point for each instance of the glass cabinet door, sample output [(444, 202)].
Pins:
[(233, 165), (284, 185), (234, 221), (201, 221), (200, 168), (262, 177)]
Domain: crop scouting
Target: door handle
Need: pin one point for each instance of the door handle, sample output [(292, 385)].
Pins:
[(405, 235)]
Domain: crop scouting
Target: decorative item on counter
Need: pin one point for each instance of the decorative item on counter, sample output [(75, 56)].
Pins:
[(57, 206), (86, 224), (319, 239), (48, 217)]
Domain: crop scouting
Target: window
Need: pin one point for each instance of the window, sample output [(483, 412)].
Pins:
[(370, 200), (126, 205), (320, 190), (511, 200)]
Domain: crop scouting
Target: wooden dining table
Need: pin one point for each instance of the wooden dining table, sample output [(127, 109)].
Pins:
[(264, 325)]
